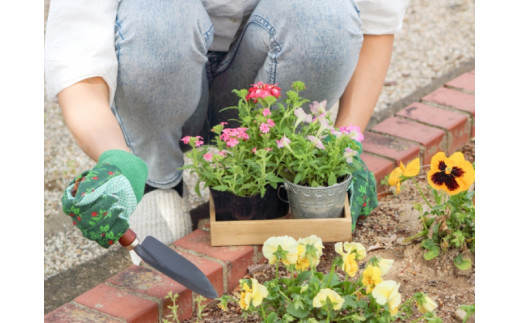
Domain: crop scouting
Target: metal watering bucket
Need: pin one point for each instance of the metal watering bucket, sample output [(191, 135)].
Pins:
[(317, 202)]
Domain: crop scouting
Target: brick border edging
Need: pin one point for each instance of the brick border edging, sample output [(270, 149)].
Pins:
[(443, 120)]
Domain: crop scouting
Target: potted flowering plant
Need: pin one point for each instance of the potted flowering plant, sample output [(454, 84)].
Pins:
[(277, 143), (239, 166), (315, 159), (307, 295)]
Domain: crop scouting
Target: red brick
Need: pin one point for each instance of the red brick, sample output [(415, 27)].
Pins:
[(70, 313), (431, 139), (212, 269), (379, 166), (121, 304), (453, 98), (236, 258), (465, 82), (457, 126), (155, 284), (391, 147)]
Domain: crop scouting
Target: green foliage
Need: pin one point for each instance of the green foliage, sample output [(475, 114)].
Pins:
[(448, 223), (246, 159), (306, 295), (469, 309), (173, 315)]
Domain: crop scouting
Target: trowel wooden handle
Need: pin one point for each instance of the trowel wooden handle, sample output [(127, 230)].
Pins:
[(128, 238)]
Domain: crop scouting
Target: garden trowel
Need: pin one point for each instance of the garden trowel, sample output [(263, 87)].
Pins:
[(169, 262)]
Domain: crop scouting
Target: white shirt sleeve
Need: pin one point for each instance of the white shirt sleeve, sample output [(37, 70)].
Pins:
[(380, 17), (79, 44)]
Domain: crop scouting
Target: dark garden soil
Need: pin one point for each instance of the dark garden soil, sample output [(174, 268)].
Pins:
[(382, 233)]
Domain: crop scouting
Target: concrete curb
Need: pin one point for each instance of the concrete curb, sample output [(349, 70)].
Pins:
[(442, 120)]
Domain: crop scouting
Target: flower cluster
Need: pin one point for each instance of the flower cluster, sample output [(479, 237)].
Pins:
[(274, 141), (308, 295), (451, 222), (312, 152)]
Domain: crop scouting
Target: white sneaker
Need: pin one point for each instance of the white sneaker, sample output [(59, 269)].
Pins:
[(163, 214)]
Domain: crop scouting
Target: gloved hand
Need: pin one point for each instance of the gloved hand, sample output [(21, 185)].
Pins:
[(100, 200)]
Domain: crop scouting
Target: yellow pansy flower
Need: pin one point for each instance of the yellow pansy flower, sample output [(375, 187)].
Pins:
[(426, 304), (453, 174), (305, 259), (349, 265), (385, 265), (357, 248), (245, 296), (288, 244), (252, 295), (371, 277), (387, 292), (321, 299), (399, 174)]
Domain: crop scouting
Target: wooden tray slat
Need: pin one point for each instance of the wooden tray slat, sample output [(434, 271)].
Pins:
[(255, 232)]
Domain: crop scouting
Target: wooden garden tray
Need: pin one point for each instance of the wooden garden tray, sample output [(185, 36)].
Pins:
[(255, 232)]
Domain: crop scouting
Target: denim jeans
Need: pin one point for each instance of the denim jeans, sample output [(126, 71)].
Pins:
[(168, 88)]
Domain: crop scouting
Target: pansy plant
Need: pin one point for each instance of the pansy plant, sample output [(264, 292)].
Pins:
[(303, 294), (448, 216)]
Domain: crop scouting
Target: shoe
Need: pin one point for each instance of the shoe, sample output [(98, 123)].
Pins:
[(163, 214)]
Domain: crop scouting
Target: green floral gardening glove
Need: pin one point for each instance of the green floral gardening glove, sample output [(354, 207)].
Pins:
[(100, 200), (362, 191)]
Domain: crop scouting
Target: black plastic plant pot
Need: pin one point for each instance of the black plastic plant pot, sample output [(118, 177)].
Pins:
[(278, 205), (230, 207)]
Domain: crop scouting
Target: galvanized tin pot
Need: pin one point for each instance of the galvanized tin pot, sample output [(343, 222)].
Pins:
[(317, 202)]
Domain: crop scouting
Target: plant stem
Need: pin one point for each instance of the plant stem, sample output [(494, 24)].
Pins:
[(422, 194), (415, 236), (330, 274)]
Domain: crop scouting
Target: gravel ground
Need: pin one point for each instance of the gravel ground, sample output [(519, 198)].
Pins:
[(437, 38)]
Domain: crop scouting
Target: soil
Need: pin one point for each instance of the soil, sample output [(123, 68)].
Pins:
[(382, 233)]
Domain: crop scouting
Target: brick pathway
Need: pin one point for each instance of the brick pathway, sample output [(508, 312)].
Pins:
[(442, 120)]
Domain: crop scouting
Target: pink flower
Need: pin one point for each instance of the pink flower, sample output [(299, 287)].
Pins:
[(266, 112), (262, 90), (270, 122), (253, 150), (268, 149), (232, 142), (349, 154), (284, 142), (302, 116), (264, 127), (186, 140), (317, 142), (222, 153), (318, 107), (208, 157), (275, 91), (231, 135), (199, 142), (353, 131)]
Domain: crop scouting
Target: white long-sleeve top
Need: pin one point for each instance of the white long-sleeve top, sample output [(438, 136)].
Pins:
[(79, 40)]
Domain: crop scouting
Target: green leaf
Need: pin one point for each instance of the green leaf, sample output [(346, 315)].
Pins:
[(462, 263), (271, 177), (297, 309), (469, 309), (221, 188), (458, 239), (433, 249), (332, 179), (271, 318), (298, 178), (350, 301)]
